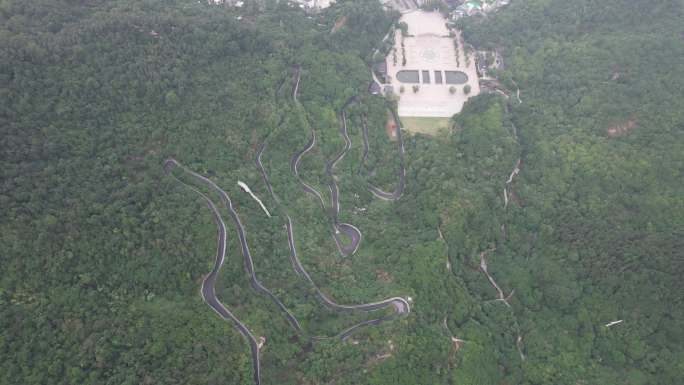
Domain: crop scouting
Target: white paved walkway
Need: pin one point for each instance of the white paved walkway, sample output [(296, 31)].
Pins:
[(430, 49)]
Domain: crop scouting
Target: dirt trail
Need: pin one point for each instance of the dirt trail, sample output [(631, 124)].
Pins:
[(441, 236), (483, 268), (295, 83), (514, 173)]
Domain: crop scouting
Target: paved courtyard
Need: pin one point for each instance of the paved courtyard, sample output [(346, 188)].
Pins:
[(430, 51)]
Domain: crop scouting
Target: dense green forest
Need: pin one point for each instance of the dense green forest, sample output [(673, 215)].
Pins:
[(102, 254)]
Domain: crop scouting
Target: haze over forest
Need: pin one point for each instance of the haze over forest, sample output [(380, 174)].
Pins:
[(194, 192)]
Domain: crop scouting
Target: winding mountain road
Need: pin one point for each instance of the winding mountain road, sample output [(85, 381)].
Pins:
[(401, 306), (353, 233), (261, 169), (339, 228), (247, 256), (208, 289), (379, 193), (294, 166)]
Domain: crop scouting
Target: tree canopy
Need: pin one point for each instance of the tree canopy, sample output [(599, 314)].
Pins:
[(103, 254)]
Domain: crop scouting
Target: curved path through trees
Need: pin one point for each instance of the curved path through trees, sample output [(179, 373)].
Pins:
[(401, 306), (379, 193), (350, 231), (208, 289), (295, 82), (353, 233), (294, 166), (247, 256), (501, 297), (507, 192), (483, 268), (261, 169)]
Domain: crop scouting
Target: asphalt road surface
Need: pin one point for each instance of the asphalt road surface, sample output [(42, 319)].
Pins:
[(208, 289)]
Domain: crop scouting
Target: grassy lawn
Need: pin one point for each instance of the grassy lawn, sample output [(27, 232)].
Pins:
[(428, 126)]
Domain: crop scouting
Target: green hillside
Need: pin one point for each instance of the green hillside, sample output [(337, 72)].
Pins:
[(102, 254)]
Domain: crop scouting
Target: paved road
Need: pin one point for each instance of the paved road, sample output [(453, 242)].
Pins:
[(208, 289), (379, 193), (247, 256), (401, 306), (353, 234), (294, 166), (260, 166)]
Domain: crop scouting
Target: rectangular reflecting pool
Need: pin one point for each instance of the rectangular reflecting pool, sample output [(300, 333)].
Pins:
[(408, 76), (438, 77)]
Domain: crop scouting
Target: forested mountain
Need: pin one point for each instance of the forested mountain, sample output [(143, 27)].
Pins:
[(102, 254)]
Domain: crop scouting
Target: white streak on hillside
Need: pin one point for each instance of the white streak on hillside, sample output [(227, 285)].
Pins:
[(246, 188)]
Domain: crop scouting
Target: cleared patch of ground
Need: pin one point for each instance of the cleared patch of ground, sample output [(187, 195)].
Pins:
[(391, 127), (383, 276), (621, 128), (341, 22), (427, 126)]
